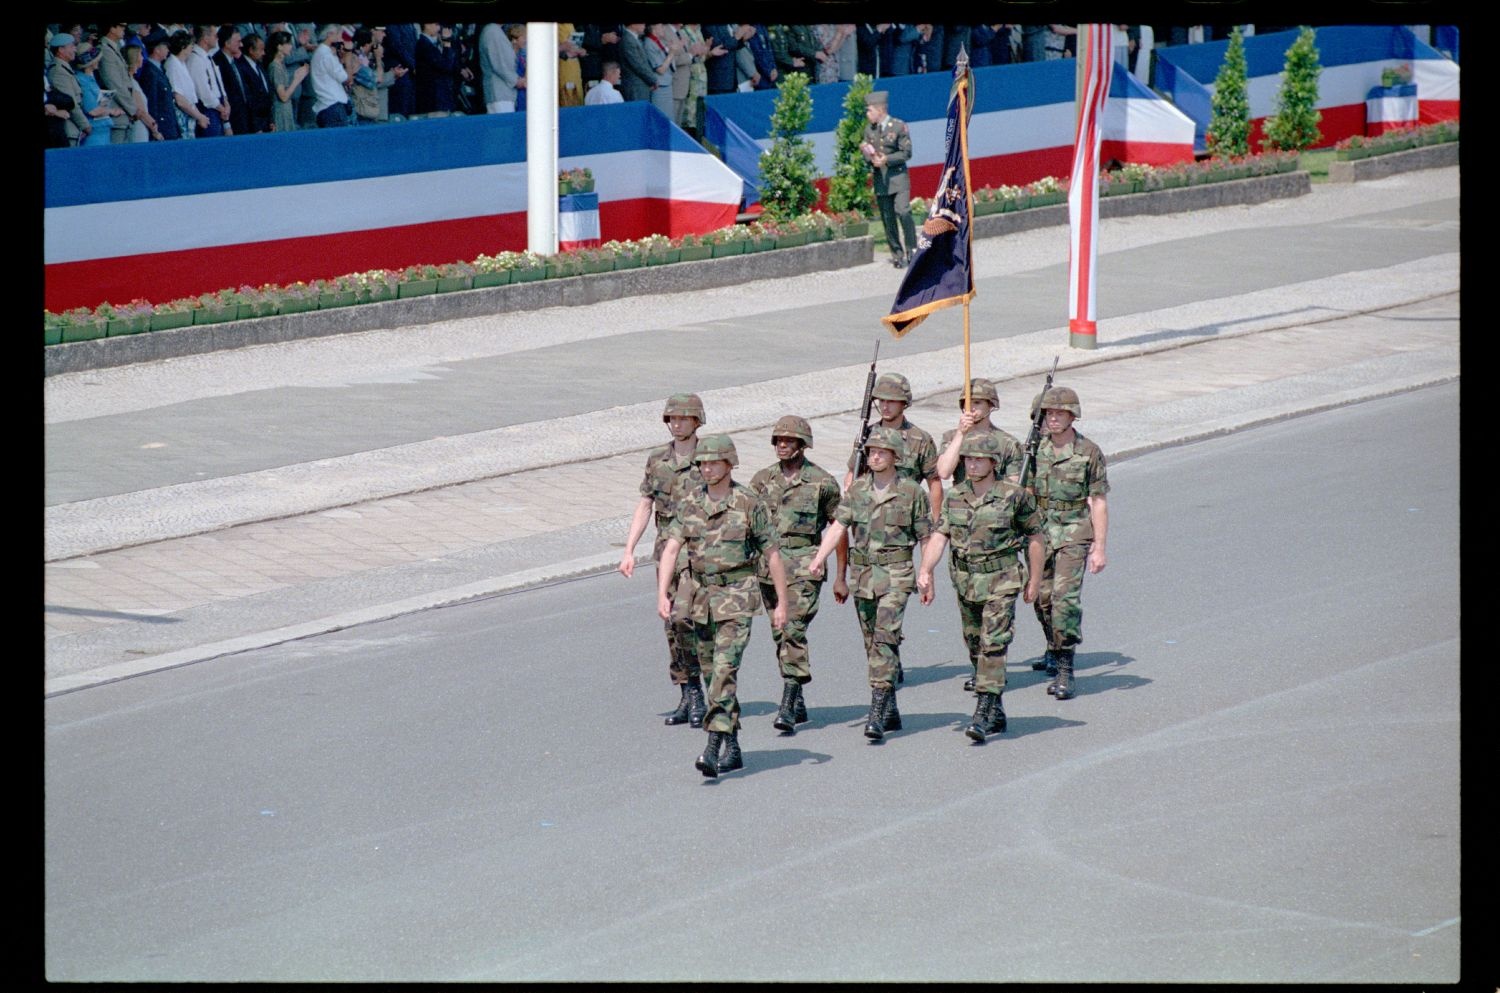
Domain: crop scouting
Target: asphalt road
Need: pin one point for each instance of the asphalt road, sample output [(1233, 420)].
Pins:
[(642, 350), (1258, 782)]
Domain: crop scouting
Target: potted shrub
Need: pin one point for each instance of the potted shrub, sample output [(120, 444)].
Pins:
[(129, 318), (216, 308), (577, 180), (564, 264), (525, 267), (1045, 191), (490, 270), (418, 280), (298, 297), (454, 276), (80, 324), (657, 249), (375, 286), (172, 314), (336, 292), (52, 325)]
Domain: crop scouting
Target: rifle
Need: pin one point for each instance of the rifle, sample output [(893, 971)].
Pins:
[(869, 401), (1028, 463)]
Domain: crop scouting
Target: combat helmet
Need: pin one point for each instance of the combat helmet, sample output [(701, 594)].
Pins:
[(980, 389), (792, 426), (716, 446), (1061, 398), (883, 437), (892, 386), (684, 405), (983, 445)]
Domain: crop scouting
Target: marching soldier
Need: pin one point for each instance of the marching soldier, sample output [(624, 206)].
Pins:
[(918, 459), (886, 145), (983, 399), (1071, 484), (723, 529), (987, 521), (801, 499), (883, 514), (667, 468)]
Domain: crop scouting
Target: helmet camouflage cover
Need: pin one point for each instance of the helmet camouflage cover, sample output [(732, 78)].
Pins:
[(892, 386), (981, 389), (1061, 398), (883, 437), (792, 426), (684, 405), (714, 447)]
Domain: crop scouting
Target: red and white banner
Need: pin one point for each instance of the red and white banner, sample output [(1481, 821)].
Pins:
[(1096, 52)]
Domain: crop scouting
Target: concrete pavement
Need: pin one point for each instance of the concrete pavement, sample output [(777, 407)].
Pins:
[(152, 579)]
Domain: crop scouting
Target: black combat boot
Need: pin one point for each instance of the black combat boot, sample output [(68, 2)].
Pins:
[(1064, 689), (980, 725), (708, 762), (973, 675), (732, 759), (1047, 662), (697, 706), (997, 714), (892, 716), (875, 723), (799, 711), (680, 715), (786, 717)]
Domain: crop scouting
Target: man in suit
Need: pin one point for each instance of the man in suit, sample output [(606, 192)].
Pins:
[(160, 100), (401, 50), (257, 86), (231, 46), (637, 78)]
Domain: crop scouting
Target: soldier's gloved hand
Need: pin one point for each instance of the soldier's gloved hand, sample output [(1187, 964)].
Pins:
[(840, 590), (664, 607)]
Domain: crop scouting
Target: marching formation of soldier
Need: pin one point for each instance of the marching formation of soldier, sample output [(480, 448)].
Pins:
[(1026, 520)]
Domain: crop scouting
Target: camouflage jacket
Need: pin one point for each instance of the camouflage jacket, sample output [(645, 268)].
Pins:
[(987, 537), (1065, 479), (883, 526), (891, 138), (722, 540), (1009, 468), (665, 474), (919, 462), (800, 510)]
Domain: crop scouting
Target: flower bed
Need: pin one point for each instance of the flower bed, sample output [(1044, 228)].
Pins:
[(1396, 140), (503, 268)]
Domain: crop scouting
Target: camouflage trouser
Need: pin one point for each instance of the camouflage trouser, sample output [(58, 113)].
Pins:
[(721, 645), (1059, 603), (682, 643), (791, 641), (880, 623), (987, 631)]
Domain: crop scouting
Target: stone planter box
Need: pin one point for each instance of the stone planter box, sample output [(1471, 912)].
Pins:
[(170, 320), (1377, 166), (416, 288)]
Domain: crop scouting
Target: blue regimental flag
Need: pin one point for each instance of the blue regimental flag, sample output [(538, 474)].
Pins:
[(940, 274)]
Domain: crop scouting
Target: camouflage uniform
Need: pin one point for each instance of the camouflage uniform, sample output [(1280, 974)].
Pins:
[(918, 457), (722, 539), (1012, 453), (666, 476), (892, 138), (987, 543), (883, 526), (800, 510), (1065, 479)]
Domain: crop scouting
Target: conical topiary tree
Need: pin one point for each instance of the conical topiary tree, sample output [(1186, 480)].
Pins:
[(1229, 129), (787, 170), (849, 188), (1295, 125)]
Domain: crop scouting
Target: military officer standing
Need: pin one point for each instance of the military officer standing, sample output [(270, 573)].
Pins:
[(886, 145), (987, 521), (883, 514), (1071, 484), (801, 499), (983, 398), (723, 528), (668, 468)]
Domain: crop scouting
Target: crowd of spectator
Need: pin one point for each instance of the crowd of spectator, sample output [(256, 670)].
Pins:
[(117, 83)]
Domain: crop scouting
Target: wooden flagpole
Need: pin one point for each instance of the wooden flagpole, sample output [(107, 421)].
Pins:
[(963, 142)]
